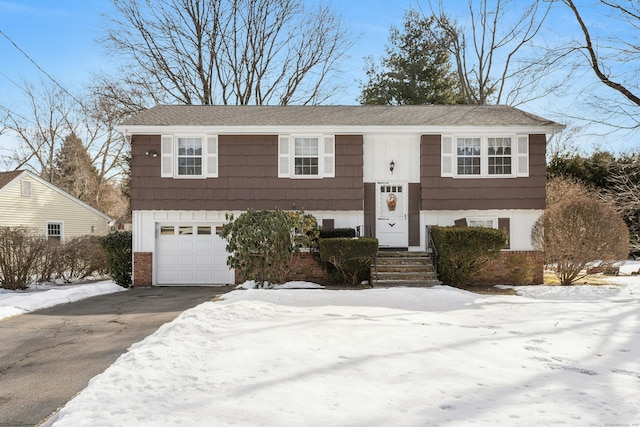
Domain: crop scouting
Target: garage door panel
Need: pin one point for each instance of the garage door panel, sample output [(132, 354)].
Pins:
[(189, 258)]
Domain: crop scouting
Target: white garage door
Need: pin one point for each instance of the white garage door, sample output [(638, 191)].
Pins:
[(191, 254)]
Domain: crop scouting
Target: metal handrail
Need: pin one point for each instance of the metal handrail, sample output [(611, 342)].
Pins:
[(430, 247)]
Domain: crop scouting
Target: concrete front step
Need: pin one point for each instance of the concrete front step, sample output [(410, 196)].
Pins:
[(403, 268), (405, 283)]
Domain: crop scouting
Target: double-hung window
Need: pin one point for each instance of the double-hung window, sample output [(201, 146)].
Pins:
[(189, 156), (488, 156), (468, 156), (54, 231), (306, 156)]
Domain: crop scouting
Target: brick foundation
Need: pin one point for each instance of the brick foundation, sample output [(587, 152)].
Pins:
[(304, 267), (142, 269), (513, 268)]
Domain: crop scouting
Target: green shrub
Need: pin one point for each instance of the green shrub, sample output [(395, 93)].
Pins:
[(463, 251), (262, 243), (350, 257), (337, 232), (117, 251)]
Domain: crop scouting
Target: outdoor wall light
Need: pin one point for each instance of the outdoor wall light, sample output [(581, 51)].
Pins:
[(93, 228), (151, 153), (392, 166)]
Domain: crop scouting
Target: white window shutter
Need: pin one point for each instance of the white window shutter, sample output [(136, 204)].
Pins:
[(329, 156), (212, 156), (167, 160), (447, 156), (284, 157), (523, 155)]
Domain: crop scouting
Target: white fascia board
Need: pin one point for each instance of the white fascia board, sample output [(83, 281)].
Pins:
[(342, 130)]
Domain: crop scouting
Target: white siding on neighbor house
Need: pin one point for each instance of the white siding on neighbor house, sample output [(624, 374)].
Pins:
[(47, 205), (521, 222)]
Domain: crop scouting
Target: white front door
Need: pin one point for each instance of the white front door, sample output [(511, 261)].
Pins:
[(391, 214)]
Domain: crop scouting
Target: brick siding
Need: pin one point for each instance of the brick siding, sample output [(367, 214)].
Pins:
[(304, 267), (513, 268), (142, 269)]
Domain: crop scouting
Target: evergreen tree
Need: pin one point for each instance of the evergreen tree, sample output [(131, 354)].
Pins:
[(416, 68), (74, 172)]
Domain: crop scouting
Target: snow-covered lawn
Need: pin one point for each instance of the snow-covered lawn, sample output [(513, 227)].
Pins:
[(382, 357)]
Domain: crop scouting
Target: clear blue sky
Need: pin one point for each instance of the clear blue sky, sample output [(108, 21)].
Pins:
[(60, 36)]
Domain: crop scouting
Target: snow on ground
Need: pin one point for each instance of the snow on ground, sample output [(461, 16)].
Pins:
[(13, 303), (381, 357)]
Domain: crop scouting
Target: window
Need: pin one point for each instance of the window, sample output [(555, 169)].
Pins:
[(483, 222), (468, 155), (189, 156), (499, 156), (26, 188), (306, 156), (54, 231), (485, 156)]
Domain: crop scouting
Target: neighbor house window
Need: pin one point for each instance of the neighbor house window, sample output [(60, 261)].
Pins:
[(54, 231), (306, 156), (478, 156), (26, 188), (189, 156)]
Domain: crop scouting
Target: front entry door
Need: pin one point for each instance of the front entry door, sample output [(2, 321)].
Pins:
[(391, 214)]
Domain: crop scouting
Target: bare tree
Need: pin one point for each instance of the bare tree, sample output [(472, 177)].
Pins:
[(607, 48), (48, 117), (40, 129), (226, 51), (576, 230), (495, 57)]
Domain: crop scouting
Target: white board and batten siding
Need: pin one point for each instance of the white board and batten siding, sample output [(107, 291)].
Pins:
[(45, 203), (521, 222), (186, 246)]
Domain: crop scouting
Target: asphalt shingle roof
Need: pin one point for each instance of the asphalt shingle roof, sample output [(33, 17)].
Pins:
[(424, 115), (7, 177)]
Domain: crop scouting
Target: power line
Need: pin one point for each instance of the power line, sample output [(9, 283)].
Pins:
[(26, 55)]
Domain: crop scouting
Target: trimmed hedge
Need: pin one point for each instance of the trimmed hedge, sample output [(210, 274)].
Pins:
[(337, 232), (351, 258), (117, 250), (463, 251)]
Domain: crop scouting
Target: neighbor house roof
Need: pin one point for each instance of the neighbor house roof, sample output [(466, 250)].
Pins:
[(344, 116), (7, 177)]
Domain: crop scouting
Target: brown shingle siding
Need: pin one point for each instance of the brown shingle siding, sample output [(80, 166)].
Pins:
[(447, 193), (248, 168)]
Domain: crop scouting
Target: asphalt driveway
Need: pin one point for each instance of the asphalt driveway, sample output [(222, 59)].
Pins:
[(49, 355)]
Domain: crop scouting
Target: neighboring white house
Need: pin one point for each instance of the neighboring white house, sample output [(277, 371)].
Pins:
[(29, 201)]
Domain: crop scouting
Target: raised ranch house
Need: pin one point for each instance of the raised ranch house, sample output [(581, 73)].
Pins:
[(26, 200), (388, 171)]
